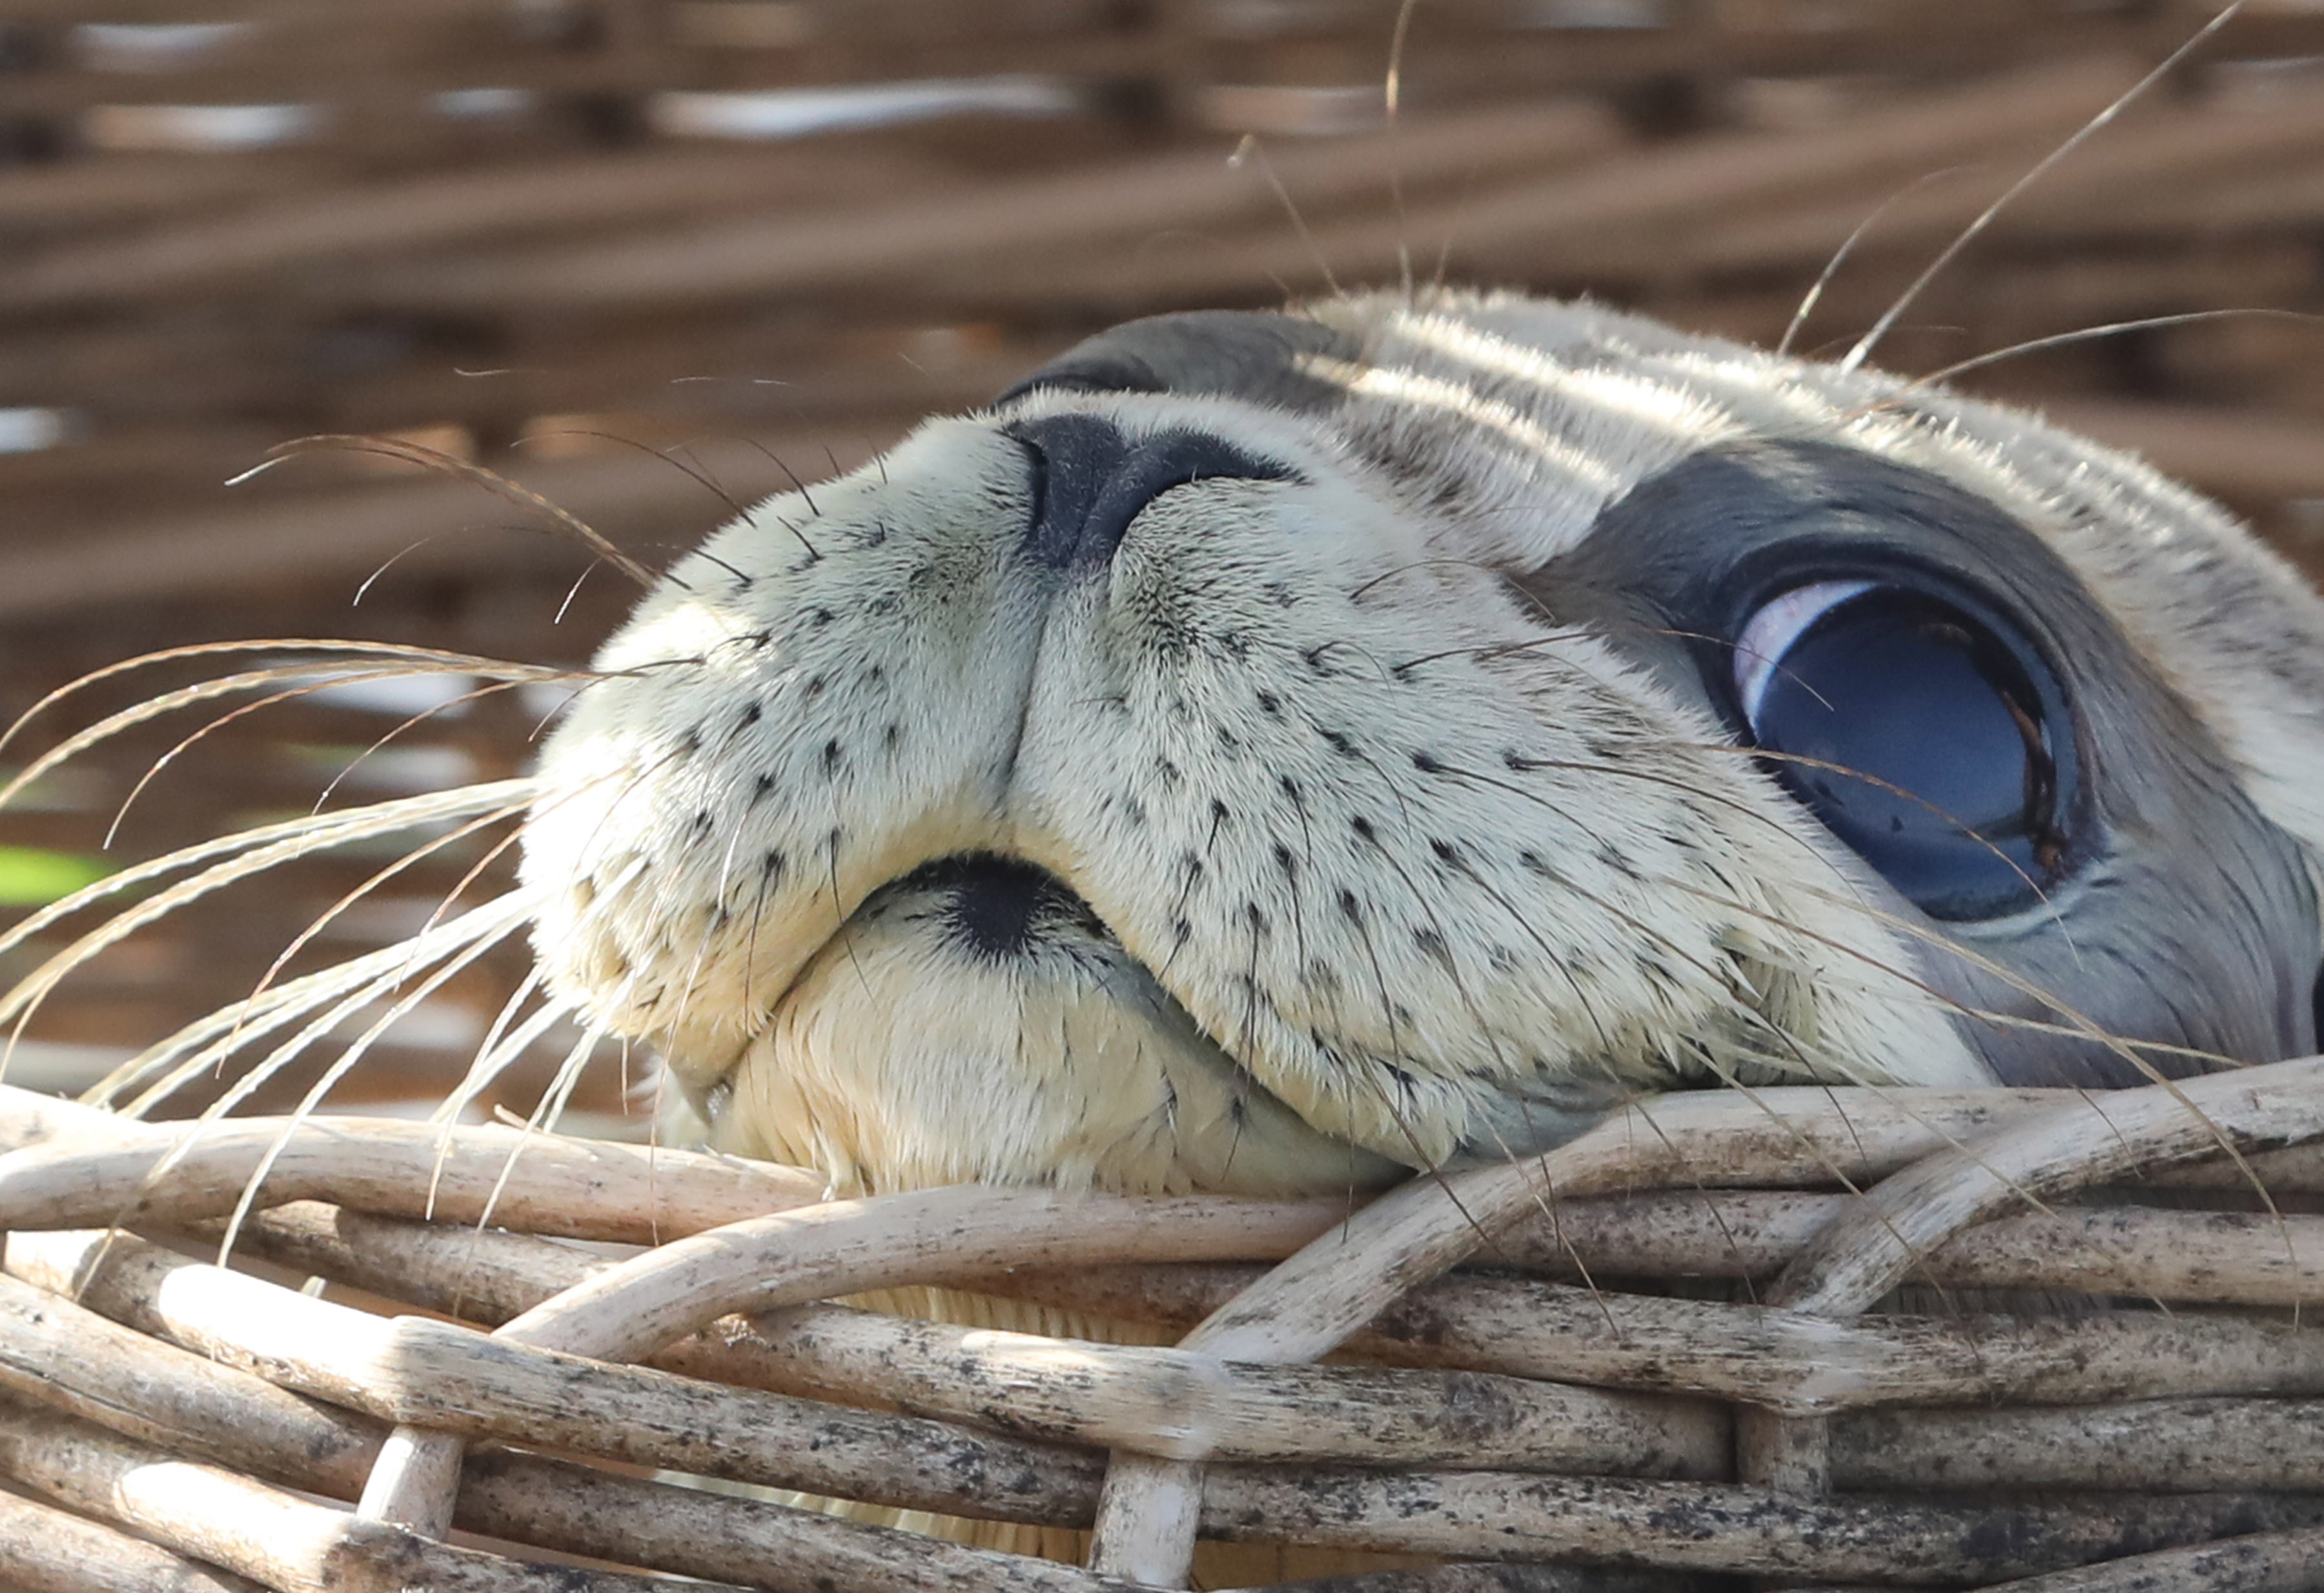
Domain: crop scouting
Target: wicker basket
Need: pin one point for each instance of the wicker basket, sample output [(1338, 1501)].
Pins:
[(1534, 1388)]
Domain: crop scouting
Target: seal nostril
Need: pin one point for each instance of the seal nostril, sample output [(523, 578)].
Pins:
[(1089, 481)]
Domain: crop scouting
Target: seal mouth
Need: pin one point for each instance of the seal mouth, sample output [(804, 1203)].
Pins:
[(996, 907)]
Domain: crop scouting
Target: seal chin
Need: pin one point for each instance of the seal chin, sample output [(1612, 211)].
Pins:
[(1007, 1037)]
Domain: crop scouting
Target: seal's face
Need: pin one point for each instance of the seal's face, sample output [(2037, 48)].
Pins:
[(1265, 753)]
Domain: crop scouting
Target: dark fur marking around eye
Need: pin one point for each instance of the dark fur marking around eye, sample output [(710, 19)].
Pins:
[(1426, 764), (1268, 703), (2222, 932)]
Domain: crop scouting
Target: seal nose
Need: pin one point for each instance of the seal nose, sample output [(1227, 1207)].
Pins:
[(1090, 481)]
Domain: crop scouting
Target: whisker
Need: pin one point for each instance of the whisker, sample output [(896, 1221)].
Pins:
[(1808, 301), (500, 923), (1968, 234), (2110, 329), (559, 519), (436, 658), (19, 1003)]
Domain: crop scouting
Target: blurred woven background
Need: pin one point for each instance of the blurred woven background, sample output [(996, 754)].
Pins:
[(649, 256)]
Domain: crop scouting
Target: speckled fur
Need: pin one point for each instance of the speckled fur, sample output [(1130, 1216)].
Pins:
[(1398, 872)]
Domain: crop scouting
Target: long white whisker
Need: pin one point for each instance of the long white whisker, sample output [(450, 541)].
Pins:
[(354, 985), (476, 938), (423, 660), (18, 1006), (1968, 234)]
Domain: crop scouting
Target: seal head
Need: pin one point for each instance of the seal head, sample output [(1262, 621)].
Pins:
[(1274, 752)]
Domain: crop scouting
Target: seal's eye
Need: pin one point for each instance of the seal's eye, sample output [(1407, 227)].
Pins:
[(1931, 738)]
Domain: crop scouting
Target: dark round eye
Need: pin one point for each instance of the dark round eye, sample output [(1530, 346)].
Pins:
[(1918, 733)]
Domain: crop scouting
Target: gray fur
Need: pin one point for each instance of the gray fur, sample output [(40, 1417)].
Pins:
[(1255, 356)]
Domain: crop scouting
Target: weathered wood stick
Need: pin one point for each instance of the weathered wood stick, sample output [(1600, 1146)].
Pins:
[(261, 1532), (1169, 1403), (2219, 1258), (45, 1550), (846, 1246), (761, 1544), (438, 1375), (539, 1183), (1474, 1577), (1800, 1367), (1672, 1524), (2261, 1562), (1476, 1322), (27, 1118), (1699, 1526), (146, 1390), (2164, 1445), (1047, 1388), (68, 1357), (62, 1176), (1318, 1299), (2102, 1135)]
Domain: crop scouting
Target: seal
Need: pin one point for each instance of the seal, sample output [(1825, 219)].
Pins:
[(1273, 751)]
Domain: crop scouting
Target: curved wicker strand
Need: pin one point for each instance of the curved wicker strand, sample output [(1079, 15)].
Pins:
[(45, 1548), (844, 1247), (1315, 1301), (1513, 1326), (274, 1537), (1408, 1236), (2261, 1562), (2088, 1140), (583, 1189)]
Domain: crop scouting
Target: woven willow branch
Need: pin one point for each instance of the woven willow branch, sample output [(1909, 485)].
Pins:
[(217, 1369), (1316, 1301)]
